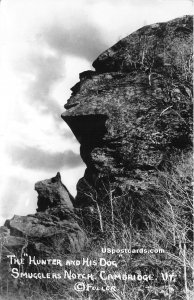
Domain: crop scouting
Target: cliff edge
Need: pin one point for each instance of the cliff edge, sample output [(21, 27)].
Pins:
[(134, 112)]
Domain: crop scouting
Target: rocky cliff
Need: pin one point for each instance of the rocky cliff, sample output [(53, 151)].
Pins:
[(134, 111), (130, 116)]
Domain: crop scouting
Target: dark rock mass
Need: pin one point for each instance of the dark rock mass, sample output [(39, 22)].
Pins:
[(54, 225), (134, 111)]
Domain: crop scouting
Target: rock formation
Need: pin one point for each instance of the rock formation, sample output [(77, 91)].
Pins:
[(51, 193), (134, 111), (54, 225), (130, 116)]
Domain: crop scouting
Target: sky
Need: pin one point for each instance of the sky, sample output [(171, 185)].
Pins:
[(44, 45)]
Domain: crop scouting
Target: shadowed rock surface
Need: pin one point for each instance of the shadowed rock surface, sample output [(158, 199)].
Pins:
[(134, 111)]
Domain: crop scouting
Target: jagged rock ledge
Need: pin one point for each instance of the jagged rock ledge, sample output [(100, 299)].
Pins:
[(53, 227)]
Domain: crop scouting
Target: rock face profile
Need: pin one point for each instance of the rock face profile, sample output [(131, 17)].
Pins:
[(134, 111), (130, 116), (54, 225)]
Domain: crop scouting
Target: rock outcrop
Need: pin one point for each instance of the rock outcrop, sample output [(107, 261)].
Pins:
[(51, 193), (134, 111), (53, 227), (130, 115)]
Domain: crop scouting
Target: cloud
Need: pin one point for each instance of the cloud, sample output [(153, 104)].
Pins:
[(38, 159), (18, 197), (45, 72), (46, 65), (80, 38)]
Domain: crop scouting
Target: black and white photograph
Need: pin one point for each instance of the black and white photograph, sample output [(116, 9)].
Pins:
[(96, 150)]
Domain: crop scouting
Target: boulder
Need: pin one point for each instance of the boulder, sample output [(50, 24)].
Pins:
[(54, 226)]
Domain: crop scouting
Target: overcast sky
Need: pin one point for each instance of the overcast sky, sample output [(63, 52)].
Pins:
[(44, 45)]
